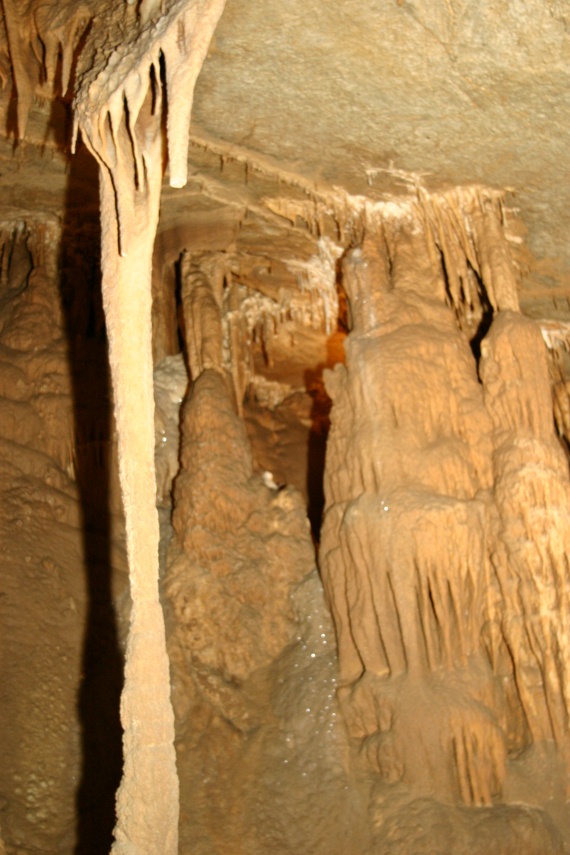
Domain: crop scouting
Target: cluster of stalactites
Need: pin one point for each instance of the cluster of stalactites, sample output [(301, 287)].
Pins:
[(468, 228), (40, 36), (40, 41), (451, 246), (27, 242), (250, 317), (313, 304), (125, 62), (120, 100)]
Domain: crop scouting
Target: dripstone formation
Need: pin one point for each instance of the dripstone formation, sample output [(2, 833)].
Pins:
[(284, 438)]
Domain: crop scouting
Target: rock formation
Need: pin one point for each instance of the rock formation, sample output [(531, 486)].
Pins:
[(404, 541), (447, 512), (240, 545), (530, 549), (397, 679), (119, 111)]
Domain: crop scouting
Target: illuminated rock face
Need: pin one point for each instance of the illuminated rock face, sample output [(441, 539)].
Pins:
[(446, 526), (529, 620), (446, 534), (119, 109)]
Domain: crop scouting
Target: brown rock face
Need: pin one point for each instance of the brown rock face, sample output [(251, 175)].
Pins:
[(530, 550), (242, 546), (188, 666), (446, 527)]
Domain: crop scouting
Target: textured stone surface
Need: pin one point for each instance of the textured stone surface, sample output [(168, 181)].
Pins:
[(398, 137), (460, 92), (444, 540), (370, 97)]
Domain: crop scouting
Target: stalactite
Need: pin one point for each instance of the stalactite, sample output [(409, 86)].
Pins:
[(113, 92), (202, 323), (119, 111), (37, 34), (237, 352)]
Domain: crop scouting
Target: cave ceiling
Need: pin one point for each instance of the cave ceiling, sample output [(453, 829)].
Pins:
[(296, 105)]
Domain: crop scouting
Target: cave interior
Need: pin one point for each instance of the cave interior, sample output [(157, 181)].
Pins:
[(284, 427)]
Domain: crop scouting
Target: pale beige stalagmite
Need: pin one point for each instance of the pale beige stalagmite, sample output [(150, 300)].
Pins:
[(408, 483), (119, 112)]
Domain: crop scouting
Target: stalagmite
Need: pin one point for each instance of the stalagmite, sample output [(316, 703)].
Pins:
[(240, 547), (119, 112)]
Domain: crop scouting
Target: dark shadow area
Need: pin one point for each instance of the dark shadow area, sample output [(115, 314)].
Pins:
[(12, 118), (487, 315), (478, 326), (565, 444), (316, 453), (102, 673), (321, 408), (180, 333)]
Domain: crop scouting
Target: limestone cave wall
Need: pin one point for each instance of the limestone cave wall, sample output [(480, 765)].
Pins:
[(285, 483)]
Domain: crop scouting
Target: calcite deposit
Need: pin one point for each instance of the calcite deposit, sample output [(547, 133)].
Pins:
[(441, 577), (241, 544), (284, 428)]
